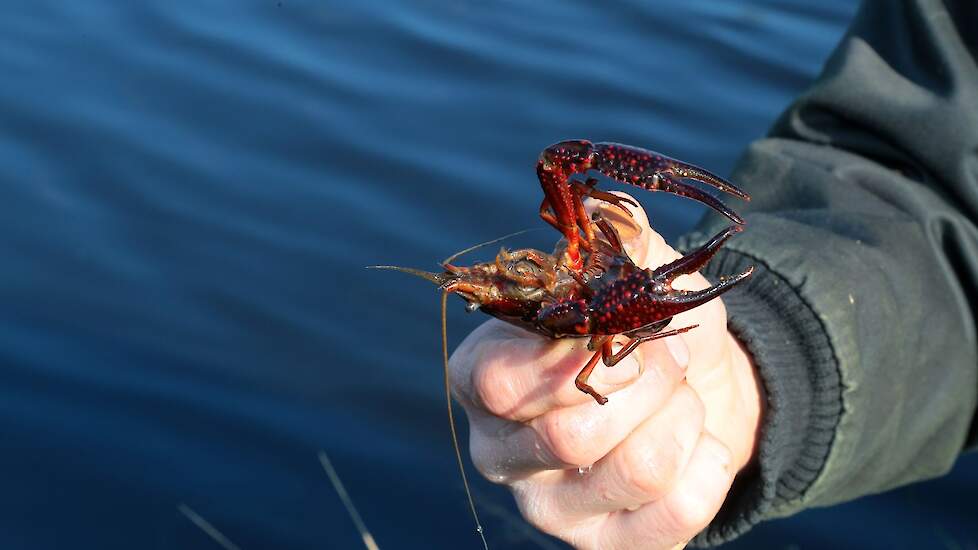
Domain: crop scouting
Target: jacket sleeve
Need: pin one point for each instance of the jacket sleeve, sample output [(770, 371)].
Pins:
[(861, 313)]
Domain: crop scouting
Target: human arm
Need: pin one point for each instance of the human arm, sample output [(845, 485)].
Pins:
[(861, 312)]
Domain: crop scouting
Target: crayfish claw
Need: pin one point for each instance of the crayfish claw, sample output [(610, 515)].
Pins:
[(696, 259), (685, 170), (673, 302), (689, 300), (657, 172), (670, 183)]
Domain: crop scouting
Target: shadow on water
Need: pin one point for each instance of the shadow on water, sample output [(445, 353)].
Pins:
[(190, 193)]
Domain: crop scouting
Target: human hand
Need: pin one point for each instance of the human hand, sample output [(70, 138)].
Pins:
[(681, 420)]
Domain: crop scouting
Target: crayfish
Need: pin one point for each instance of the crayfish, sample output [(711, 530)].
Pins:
[(588, 286)]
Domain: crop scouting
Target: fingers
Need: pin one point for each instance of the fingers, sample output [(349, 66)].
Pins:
[(668, 522), (633, 229), (569, 437), (644, 468), (680, 515), (518, 376), (682, 508)]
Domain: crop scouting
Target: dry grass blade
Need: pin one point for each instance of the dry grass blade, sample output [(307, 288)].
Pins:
[(334, 478), (206, 527)]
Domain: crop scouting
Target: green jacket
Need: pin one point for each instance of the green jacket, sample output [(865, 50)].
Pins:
[(861, 312)]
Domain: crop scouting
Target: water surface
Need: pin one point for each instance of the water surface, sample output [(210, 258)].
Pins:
[(191, 191)]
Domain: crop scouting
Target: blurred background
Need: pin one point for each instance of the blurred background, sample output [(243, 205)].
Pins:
[(190, 193)]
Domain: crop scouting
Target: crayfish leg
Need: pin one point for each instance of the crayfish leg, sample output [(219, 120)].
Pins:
[(598, 340), (589, 189), (603, 346), (548, 216), (612, 359), (611, 234), (581, 380), (570, 222)]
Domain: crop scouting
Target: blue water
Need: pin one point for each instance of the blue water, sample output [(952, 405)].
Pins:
[(190, 191)]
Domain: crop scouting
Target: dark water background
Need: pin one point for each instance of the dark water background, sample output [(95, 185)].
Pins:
[(190, 191)]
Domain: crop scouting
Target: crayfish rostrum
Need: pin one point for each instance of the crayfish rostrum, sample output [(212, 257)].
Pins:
[(588, 286)]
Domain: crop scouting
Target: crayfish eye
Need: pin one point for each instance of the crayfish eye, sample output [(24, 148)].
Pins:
[(525, 267)]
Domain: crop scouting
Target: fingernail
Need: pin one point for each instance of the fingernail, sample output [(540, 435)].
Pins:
[(680, 352), (624, 372)]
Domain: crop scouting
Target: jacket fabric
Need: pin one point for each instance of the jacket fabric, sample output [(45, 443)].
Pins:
[(860, 315)]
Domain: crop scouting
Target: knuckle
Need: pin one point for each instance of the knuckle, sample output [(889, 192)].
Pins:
[(648, 470), (492, 389), (566, 440), (690, 511), (651, 464)]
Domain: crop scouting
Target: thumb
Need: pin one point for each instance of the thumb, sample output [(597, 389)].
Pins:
[(644, 246)]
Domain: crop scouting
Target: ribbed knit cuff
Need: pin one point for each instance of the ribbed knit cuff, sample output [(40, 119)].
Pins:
[(803, 394)]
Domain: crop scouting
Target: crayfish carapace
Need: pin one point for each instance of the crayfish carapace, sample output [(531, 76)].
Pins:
[(589, 287)]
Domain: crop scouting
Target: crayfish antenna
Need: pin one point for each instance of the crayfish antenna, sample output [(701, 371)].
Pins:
[(455, 256), (451, 420), (437, 278)]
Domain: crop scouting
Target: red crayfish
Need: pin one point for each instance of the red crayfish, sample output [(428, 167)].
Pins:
[(589, 286)]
